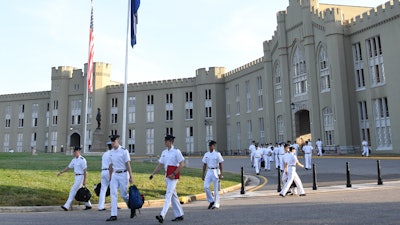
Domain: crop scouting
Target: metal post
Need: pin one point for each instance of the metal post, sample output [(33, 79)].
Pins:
[(378, 162), (348, 184), (279, 179), (314, 187), (242, 188)]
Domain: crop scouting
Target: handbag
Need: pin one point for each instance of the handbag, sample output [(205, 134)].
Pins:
[(83, 194)]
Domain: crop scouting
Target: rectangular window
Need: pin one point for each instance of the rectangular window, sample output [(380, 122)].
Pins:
[(114, 118), (260, 93), (168, 98), (248, 96), (227, 101), (168, 115), (169, 130), (132, 109), (150, 141), (150, 108), (382, 123), (189, 140), (237, 99), (189, 96), (363, 121), (208, 94), (375, 60)]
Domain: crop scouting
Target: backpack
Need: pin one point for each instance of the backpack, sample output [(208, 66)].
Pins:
[(83, 195), (136, 199), (97, 189)]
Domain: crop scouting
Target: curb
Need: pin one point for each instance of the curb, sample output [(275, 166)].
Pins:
[(122, 205)]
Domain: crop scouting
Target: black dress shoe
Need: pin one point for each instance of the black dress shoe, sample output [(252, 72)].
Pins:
[(112, 218), (179, 218), (87, 208), (65, 209), (302, 194), (102, 209), (160, 219), (281, 195), (210, 205), (133, 213)]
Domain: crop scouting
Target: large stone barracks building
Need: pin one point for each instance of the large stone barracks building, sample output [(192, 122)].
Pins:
[(329, 72)]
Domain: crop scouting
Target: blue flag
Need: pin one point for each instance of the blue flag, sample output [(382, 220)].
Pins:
[(134, 20)]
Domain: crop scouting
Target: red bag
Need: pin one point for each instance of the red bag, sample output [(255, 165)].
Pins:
[(171, 170)]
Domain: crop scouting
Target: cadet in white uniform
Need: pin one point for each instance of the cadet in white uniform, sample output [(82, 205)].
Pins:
[(252, 148), (290, 170), (307, 149), (256, 158), (105, 176), (318, 145), (78, 163), (365, 148), (170, 158), (213, 164), (281, 153), (120, 173), (296, 147), (267, 154)]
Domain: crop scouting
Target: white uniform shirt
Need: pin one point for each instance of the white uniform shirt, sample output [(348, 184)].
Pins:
[(291, 159), (105, 160), (252, 148), (295, 146), (318, 144), (79, 165), (212, 159), (364, 143), (119, 157), (257, 153), (171, 157), (268, 151), (307, 149), (281, 150), (286, 157)]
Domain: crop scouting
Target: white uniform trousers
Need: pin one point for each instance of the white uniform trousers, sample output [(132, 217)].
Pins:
[(105, 181), (118, 181), (292, 176), (307, 160), (75, 187), (257, 164), (276, 160), (267, 162), (284, 180), (171, 197), (212, 177), (365, 151), (281, 163), (319, 150)]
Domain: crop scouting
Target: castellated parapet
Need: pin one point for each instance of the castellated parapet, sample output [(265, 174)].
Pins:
[(153, 85), (374, 17), (244, 67), (62, 72), (25, 96)]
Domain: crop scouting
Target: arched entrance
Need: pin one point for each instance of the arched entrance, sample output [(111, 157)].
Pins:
[(75, 140), (302, 130)]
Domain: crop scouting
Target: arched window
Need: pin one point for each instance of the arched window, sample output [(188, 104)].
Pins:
[(299, 72), (325, 80), (280, 127), (277, 82), (329, 130)]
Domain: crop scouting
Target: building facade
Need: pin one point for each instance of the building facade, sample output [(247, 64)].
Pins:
[(329, 72)]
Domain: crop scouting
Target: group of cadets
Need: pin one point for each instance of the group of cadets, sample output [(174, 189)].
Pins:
[(265, 154), (284, 155)]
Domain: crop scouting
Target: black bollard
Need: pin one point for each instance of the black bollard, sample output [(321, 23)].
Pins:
[(378, 162), (279, 180), (242, 188), (314, 176), (348, 184)]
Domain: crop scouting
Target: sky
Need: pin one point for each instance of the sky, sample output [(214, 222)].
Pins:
[(174, 38)]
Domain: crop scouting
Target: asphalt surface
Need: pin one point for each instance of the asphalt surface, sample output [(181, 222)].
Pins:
[(365, 202)]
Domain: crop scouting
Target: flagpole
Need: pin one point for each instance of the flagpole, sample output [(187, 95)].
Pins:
[(88, 76), (123, 135)]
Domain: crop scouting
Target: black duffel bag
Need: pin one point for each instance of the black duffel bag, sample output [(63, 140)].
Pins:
[(97, 189), (83, 195)]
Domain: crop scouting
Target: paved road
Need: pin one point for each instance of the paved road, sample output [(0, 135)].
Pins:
[(364, 203)]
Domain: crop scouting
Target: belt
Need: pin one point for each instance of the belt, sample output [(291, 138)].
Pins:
[(307, 153), (120, 171), (212, 168), (292, 165), (78, 174), (105, 169)]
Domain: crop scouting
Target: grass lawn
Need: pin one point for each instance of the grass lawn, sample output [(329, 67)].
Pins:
[(27, 180)]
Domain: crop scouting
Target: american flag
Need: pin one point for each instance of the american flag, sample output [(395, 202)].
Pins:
[(91, 52), (134, 16)]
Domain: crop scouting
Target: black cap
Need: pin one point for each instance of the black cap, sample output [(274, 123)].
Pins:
[(211, 143), (169, 137), (114, 137), (77, 148)]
